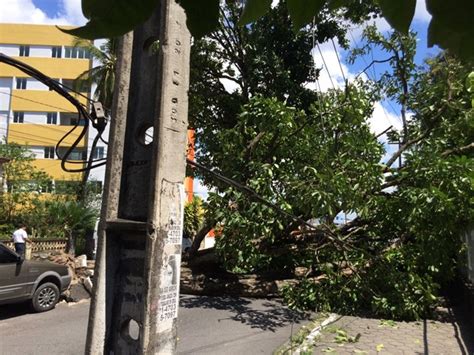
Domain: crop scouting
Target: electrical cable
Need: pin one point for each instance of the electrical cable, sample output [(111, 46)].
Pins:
[(375, 78), (48, 126), (81, 110), (338, 60), (37, 102), (325, 65), (257, 197), (45, 143)]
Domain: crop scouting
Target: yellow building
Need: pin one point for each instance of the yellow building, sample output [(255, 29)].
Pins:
[(32, 115)]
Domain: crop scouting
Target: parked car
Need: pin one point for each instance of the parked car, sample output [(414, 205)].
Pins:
[(40, 282)]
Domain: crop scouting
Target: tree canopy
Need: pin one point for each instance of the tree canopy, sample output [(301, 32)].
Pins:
[(318, 158)]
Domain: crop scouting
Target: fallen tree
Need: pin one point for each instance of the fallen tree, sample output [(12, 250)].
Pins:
[(403, 240)]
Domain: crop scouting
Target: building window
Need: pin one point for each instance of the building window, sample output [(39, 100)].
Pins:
[(18, 117), (52, 118), (21, 83), (77, 122), (49, 152), (77, 154), (24, 51), (76, 52), (56, 52), (98, 153)]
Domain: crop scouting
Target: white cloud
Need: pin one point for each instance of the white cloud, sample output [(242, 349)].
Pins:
[(382, 119), (201, 190), (332, 73), (72, 12), (25, 11), (421, 13)]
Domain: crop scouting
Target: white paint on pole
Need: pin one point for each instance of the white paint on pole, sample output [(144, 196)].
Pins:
[(176, 219)]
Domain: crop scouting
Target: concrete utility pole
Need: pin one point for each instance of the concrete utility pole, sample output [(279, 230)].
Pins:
[(135, 302)]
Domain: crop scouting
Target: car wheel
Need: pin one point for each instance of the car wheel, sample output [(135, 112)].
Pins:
[(45, 297)]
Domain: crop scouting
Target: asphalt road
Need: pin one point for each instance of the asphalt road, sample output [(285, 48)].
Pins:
[(207, 325)]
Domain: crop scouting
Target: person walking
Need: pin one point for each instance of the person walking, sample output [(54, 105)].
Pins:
[(20, 237)]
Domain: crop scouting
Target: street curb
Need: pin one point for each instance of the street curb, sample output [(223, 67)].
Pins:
[(301, 344), (308, 341)]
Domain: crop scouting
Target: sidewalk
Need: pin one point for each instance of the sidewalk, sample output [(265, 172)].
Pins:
[(356, 335)]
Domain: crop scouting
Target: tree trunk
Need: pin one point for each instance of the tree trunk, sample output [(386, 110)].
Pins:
[(71, 243), (200, 235)]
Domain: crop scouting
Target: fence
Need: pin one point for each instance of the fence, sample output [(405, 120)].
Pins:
[(40, 245)]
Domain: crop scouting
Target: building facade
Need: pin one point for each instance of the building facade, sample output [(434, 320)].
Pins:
[(35, 117)]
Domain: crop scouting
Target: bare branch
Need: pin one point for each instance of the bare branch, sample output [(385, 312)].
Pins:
[(404, 147), (252, 144), (459, 150), (383, 132), (372, 63)]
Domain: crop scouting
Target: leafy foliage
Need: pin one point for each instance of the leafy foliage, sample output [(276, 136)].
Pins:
[(102, 75), (193, 216), (31, 200), (112, 18), (320, 161), (22, 180), (450, 26), (398, 14)]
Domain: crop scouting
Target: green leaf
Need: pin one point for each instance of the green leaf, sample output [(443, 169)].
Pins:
[(302, 11), (398, 13), (470, 86), (336, 4), (254, 9), (202, 16), (470, 82), (112, 18), (91, 7), (451, 26)]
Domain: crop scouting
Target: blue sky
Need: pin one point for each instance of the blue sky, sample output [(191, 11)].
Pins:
[(50, 7), (58, 12)]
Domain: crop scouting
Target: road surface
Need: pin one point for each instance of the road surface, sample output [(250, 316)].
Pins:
[(207, 325)]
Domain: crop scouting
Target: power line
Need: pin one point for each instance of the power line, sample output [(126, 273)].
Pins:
[(363, 58), (325, 65), (43, 125), (375, 79), (33, 136), (262, 200), (37, 102), (339, 60), (98, 122), (48, 126)]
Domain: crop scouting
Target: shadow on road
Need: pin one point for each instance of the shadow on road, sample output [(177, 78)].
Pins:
[(14, 310), (267, 315), (463, 329)]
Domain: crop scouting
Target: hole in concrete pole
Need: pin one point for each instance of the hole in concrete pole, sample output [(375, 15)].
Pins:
[(145, 135), (131, 329), (151, 45)]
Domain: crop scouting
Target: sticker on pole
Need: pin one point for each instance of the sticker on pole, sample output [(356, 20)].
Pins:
[(176, 219), (169, 291)]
